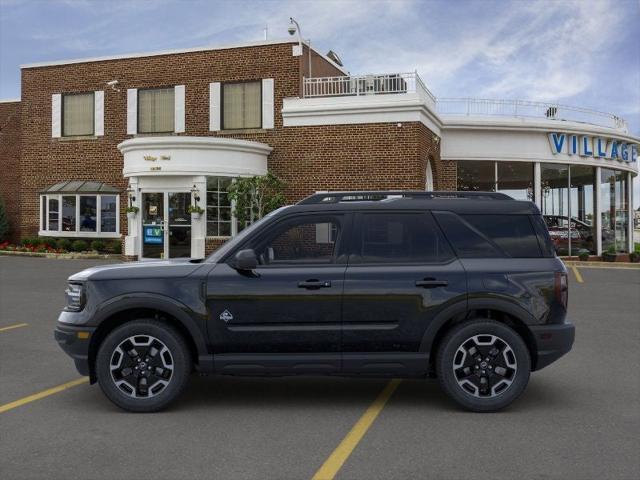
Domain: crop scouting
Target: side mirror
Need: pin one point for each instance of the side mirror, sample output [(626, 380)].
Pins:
[(246, 260)]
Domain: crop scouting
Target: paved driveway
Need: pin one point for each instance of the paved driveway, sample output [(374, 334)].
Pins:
[(578, 419)]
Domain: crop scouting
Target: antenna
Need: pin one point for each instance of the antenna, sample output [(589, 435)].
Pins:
[(266, 32)]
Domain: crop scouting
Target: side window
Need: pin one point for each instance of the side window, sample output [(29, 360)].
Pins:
[(401, 238), (467, 241), (306, 241), (512, 233)]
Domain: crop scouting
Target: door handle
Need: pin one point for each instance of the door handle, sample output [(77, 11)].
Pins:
[(314, 284), (431, 283)]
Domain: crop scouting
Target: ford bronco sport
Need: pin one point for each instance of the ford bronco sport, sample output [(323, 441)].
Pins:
[(463, 286)]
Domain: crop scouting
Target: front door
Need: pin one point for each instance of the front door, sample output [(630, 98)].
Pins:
[(401, 274), (166, 225), (286, 315)]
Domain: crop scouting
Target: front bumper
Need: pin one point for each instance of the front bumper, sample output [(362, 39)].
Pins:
[(552, 342), (74, 340)]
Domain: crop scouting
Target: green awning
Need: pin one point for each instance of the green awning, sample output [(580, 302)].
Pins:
[(81, 186)]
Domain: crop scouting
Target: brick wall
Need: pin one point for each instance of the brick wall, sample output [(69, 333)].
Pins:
[(371, 156), (10, 161)]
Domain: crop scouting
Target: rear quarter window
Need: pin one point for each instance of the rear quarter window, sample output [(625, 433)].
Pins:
[(487, 236)]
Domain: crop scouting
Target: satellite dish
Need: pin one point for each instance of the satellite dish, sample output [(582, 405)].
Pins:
[(335, 58)]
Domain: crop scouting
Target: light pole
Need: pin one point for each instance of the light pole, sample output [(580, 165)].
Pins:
[(294, 27)]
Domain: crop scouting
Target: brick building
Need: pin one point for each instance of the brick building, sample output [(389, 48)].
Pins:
[(163, 130)]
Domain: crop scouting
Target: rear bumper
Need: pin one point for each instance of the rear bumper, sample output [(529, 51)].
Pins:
[(552, 342), (74, 341)]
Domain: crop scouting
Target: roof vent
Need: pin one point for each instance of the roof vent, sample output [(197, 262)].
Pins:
[(333, 56)]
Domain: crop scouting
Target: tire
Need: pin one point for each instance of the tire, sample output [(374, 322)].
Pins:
[(143, 365), (461, 369)]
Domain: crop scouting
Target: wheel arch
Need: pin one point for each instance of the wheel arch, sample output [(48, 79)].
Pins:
[(120, 311), (500, 310)]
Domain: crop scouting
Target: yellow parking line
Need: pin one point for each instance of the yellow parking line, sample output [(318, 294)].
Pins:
[(334, 463), (577, 274), (43, 394), (11, 327)]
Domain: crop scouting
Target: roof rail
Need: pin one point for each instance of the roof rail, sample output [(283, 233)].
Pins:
[(377, 195)]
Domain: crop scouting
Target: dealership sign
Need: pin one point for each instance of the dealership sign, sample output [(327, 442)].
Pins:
[(597, 147)]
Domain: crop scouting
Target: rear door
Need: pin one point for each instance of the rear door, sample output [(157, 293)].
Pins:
[(401, 274)]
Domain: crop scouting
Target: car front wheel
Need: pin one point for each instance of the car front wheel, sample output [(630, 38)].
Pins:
[(143, 365), (483, 365)]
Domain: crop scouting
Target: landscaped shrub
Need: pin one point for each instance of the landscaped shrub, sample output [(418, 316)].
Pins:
[(115, 247), (28, 241), (79, 246), (98, 245), (583, 255), (64, 244), (47, 242)]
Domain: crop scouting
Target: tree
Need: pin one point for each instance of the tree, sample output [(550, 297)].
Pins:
[(254, 197), (4, 222)]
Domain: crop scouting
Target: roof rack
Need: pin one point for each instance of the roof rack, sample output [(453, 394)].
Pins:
[(374, 195)]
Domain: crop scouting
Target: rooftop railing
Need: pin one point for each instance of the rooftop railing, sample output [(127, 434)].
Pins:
[(528, 109), (357, 85), (402, 83)]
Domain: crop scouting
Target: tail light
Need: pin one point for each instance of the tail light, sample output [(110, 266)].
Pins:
[(562, 288)]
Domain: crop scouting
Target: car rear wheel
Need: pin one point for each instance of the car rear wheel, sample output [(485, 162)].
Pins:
[(143, 365), (483, 365)]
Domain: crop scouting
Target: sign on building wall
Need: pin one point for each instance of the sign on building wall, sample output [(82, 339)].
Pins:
[(590, 146)]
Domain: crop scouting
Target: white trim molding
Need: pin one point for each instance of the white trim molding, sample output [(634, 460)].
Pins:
[(98, 112), (179, 101), (214, 107), (56, 115), (186, 156), (132, 111), (268, 103)]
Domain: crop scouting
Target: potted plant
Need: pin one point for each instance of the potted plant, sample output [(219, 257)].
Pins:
[(610, 255), (131, 212), (583, 255), (635, 255), (195, 211)]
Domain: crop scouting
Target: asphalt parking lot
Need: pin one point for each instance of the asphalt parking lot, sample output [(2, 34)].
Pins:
[(578, 419)]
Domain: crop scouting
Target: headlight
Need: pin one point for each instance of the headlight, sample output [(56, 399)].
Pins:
[(75, 297)]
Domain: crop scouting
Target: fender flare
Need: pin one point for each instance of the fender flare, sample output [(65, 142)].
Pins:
[(462, 307), (162, 303)]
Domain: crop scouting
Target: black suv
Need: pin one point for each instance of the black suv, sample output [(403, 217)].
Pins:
[(464, 286)]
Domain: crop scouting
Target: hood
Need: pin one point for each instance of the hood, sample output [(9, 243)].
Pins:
[(174, 268)]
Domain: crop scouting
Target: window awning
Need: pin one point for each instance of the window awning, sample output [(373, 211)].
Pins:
[(81, 186)]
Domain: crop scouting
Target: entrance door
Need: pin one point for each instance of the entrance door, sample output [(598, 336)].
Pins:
[(166, 225)]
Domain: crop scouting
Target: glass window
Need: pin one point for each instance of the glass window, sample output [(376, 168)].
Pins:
[(516, 179), (555, 204), (242, 105), (476, 176), (156, 110), (108, 215), (581, 201), (88, 213), (614, 210), (77, 114), (467, 241), (218, 207), (514, 234), (298, 242), (69, 213), (43, 213), (53, 214), (402, 238)]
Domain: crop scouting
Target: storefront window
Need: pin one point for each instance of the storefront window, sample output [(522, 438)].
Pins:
[(108, 213), (614, 210), (69, 213), (583, 228), (219, 219), (88, 214), (53, 213), (476, 176), (555, 204), (516, 179)]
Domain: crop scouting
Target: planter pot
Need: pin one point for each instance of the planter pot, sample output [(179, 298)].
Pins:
[(609, 257), (634, 257), (131, 216), (195, 216)]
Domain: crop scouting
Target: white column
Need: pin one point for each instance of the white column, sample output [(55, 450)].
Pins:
[(199, 226), (598, 213), (630, 212), (132, 242), (537, 185)]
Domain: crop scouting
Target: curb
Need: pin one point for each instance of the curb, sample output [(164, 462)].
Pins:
[(614, 265), (64, 256)]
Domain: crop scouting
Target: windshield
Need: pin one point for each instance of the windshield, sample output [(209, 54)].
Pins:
[(233, 242)]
